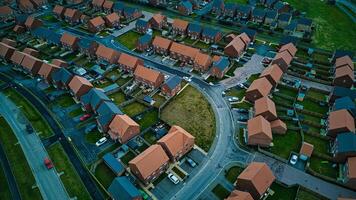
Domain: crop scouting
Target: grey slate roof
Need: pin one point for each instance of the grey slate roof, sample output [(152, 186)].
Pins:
[(62, 75), (222, 63), (345, 103), (122, 189), (113, 163), (94, 97), (346, 142), (173, 81)]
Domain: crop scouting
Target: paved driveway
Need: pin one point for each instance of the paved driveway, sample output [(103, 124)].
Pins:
[(241, 74)]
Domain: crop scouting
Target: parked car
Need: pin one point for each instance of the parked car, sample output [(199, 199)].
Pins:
[(242, 119), (231, 99), (173, 178), (85, 117), (191, 162), (241, 110), (101, 141), (293, 159), (48, 163), (29, 129)]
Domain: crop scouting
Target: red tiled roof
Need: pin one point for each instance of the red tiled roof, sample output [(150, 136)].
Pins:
[(106, 52), (9, 42), (108, 4), (292, 50), (59, 63), (239, 195), (161, 42), (77, 82), (259, 126), (58, 9), (344, 71), (341, 119), (121, 124), (202, 59), (184, 50), (17, 57), (113, 17), (5, 10), (150, 160), (262, 85), (69, 39), (265, 104), (29, 62), (128, 60), (46, 69), (345, 60), (180, 24), (351, 162), (306, 149), (97, 21), (274, 72), (147, 74)]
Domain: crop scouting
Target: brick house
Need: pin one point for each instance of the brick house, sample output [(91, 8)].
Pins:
[(258, 15), (88, 47), (230, 10), (194, 31), (344, 146), (105, 54), (144, 42), (112, 20), (266, 108), (220, 66), (210, 35), (283, 60), (179, 27), (58, 11), (271, 17), (149, 164), (243, 12), (349, 172), (202, 62), (26, 6), (129, 63), (183, 53), (6, 51), (142, 26), (72, 16), (122, 128), (79, 86), (131, 13), (237, 46), (278, 127), (93, 99), (290, 48), (69, 42), (61, 78), (176, 143), (97, 4), (161, 45), (106, 111), (344, 77), (96, 24), (6, 13), (259, 132), (107, 6), (340, 121), (148, 77), (273, 74), (259, 88), (256, 179), (185, 7), (16, 58), (31, 64), (158, 21), (46, 71), (32, 23), (172, 86)]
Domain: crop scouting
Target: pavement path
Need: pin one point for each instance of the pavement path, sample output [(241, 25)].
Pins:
[(308, 83), (241, 74), (11, 181), (48, 181)]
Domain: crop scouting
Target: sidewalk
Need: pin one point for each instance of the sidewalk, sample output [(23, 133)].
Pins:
[(48, 181)]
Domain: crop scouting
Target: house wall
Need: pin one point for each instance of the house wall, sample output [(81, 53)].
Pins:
[(253, 95), (246, 185), (83, 90), (261, 141), (232, 52), (281, 63)]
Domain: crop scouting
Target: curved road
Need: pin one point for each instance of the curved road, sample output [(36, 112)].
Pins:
[(75, 160)]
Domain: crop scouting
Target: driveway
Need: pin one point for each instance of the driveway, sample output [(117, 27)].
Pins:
[(47, 181), (241, 74)]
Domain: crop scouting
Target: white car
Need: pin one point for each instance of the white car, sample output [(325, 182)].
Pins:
[(293, 159), (231, 99), (173, 178), (101, 141)]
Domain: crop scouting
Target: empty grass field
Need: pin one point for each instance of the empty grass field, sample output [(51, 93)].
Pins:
[(232, 174), (70, 178), (333, 27), (19, 166), (192, 111), (129, 39)]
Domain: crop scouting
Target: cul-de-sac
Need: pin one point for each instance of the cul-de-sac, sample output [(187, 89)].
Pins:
[(177, 100)]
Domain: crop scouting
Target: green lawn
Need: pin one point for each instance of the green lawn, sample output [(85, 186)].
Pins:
[(150, 137), (315, 94), (285, 144), (333, 27), (18, 163), (104, 174), (323, 167), (320, 145), (148, 119), (122, 81), (192, 111), (76, 112), (220, 192), (31, 113), (244, 105), (4, 191), (287, 91), (127, 157), (314, 107), (282, 193), (133, 109), (93, 136), (129, 39), (159, 100), (65, 100), (304, 194), (232, 174), (252, 78), (118, 97), (240, 93), (70, 178)]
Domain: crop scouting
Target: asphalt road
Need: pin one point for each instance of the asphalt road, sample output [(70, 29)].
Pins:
[(11, 181), (47, 181), (73, 157)]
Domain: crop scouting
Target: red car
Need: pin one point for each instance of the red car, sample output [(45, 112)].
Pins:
[(85, 117), (48, 163)]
